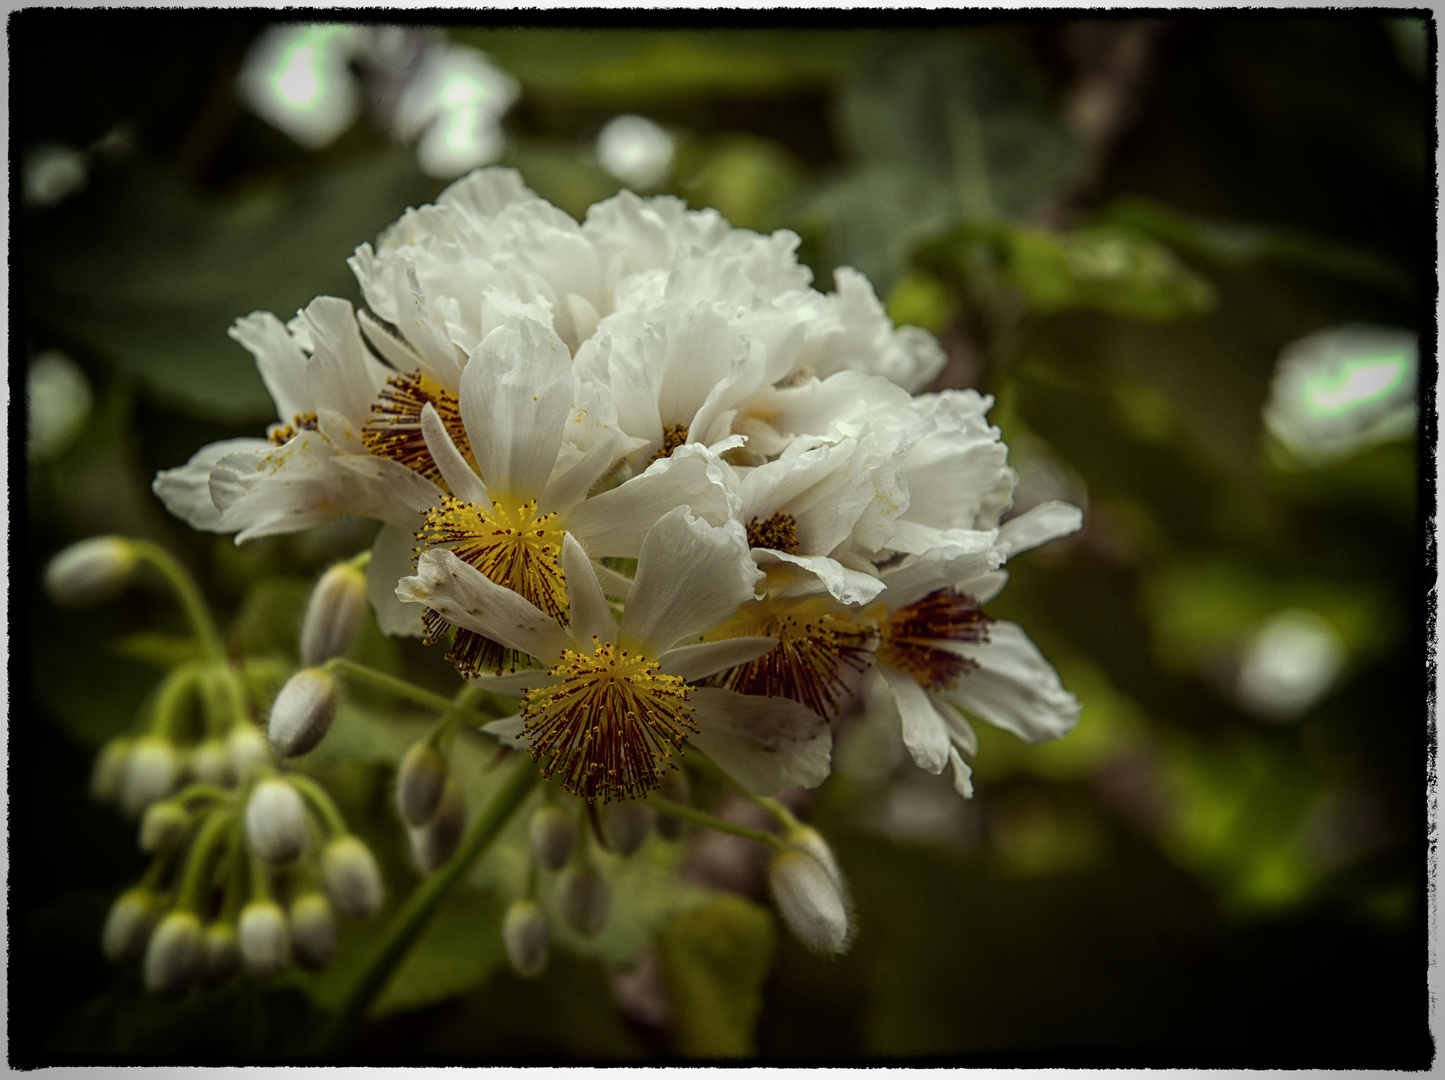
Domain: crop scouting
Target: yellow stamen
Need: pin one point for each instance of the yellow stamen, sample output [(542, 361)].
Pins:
[(299, 423), (814, 645), (909, 639), (779, 532), (610, 726), (394, 431), (512, 547), (673, 436)]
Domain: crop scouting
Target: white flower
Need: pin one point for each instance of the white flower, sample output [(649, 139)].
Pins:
[(939, 656), (614, 703)]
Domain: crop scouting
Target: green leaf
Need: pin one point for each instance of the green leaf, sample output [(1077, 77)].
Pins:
[(370, 733), (715, 960), (157, 649), (460, 948), (746, 178)]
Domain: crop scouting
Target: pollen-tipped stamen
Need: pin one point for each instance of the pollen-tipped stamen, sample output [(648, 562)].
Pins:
[(280, 435), (394, 431), (778, 533), (910, 638), (673, 436), (610, 726)]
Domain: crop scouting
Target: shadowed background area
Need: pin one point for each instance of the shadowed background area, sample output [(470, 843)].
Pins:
[(1189, 257)]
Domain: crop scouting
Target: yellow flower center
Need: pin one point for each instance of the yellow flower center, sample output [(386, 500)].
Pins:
[(394, 430), (909, 638), (673, 436), (610, 726), (779, 532)]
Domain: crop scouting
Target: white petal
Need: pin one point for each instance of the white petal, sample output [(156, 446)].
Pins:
[(465, 484), (708, 658), (960, 731), (508, 729), (280, 360), (939, 568), (1014, 687), (765, 743), (1047, 521), (464, 596), (925, 732), (390, 562), (376, 487), (393, 349), (690, 577), (588, 615), (278, 490), (571, 487), (186, 489), (962, 775), (341, 375), (820, 572), (516, 395)]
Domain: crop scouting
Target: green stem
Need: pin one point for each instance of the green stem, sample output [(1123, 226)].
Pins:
[(408, 923), (780, 812), (321, 802), (203, 792), (402, 688), (187, 592), (700, 817), (171, 699), (199, 865)]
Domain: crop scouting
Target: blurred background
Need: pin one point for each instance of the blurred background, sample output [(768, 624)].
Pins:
[(1191, 258)]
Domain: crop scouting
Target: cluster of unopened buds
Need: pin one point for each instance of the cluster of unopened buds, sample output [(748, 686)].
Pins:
[(661, 496)]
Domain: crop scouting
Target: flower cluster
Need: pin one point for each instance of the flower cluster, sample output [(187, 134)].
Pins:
[(651, 484)]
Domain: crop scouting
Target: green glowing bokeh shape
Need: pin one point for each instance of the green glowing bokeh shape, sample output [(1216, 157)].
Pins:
[(1357, 383)]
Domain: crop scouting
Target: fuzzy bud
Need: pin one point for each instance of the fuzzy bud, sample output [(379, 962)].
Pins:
[(333, 614), (108, 774), (265, 940), (811, 904), (91, 571), (303, 712), (524, 934), (246, 748), (420, 781), (808, 839), (585, 897), (275, 821), (210, 763), (151, 770), (552, 835), (220, 953), (128, 926), (353, 880), (626, 826), (163, 826), (313, 930), (436, 841), (676, 787), (173, 956)]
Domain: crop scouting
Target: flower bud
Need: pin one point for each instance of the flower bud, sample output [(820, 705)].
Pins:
[(246, 747), (265, 941), (436, 841), (552, 835), (303, 712), (108, 774), (151, 770), (275, 821), (333, 614), (91, 571), (220, 953), (420, 780), (809, 901), (210, 763), (677, 787), (585, 897), (808, 839), (163, 826), (626, 826), (524, 934), (353, 880), (173, 957), (128, 926), (313, 930)]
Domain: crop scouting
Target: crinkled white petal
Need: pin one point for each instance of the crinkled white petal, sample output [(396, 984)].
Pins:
[(465, 597), (814, 574), (186, 489), (375, 487), (341, 376), (1047, 521), (280, 489), (391, 553), (1014, 687), (280, 360), (939, 568), (765, 743), (709, 657)]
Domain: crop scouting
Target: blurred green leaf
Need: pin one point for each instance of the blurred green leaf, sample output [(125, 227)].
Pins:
[(563, 172), (158, 650), (920, 299), (746, 178), (460, 948), (269, 622), (715, 960)]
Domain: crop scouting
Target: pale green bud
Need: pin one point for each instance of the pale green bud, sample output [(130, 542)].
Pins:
[(808, 839), (811, 904), (420, 780), (151, 770), (436, 841), (626, 826), (247, 748), (302, 713), (173, 956), (264, 939), (313, 930), (524, 935), (585, 897), (210, 763), (128, 926), (353, 880), (333, 615), (163, 826), (220, 953), (552, 834), (91, 571), (108, 774), (275, 821)]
